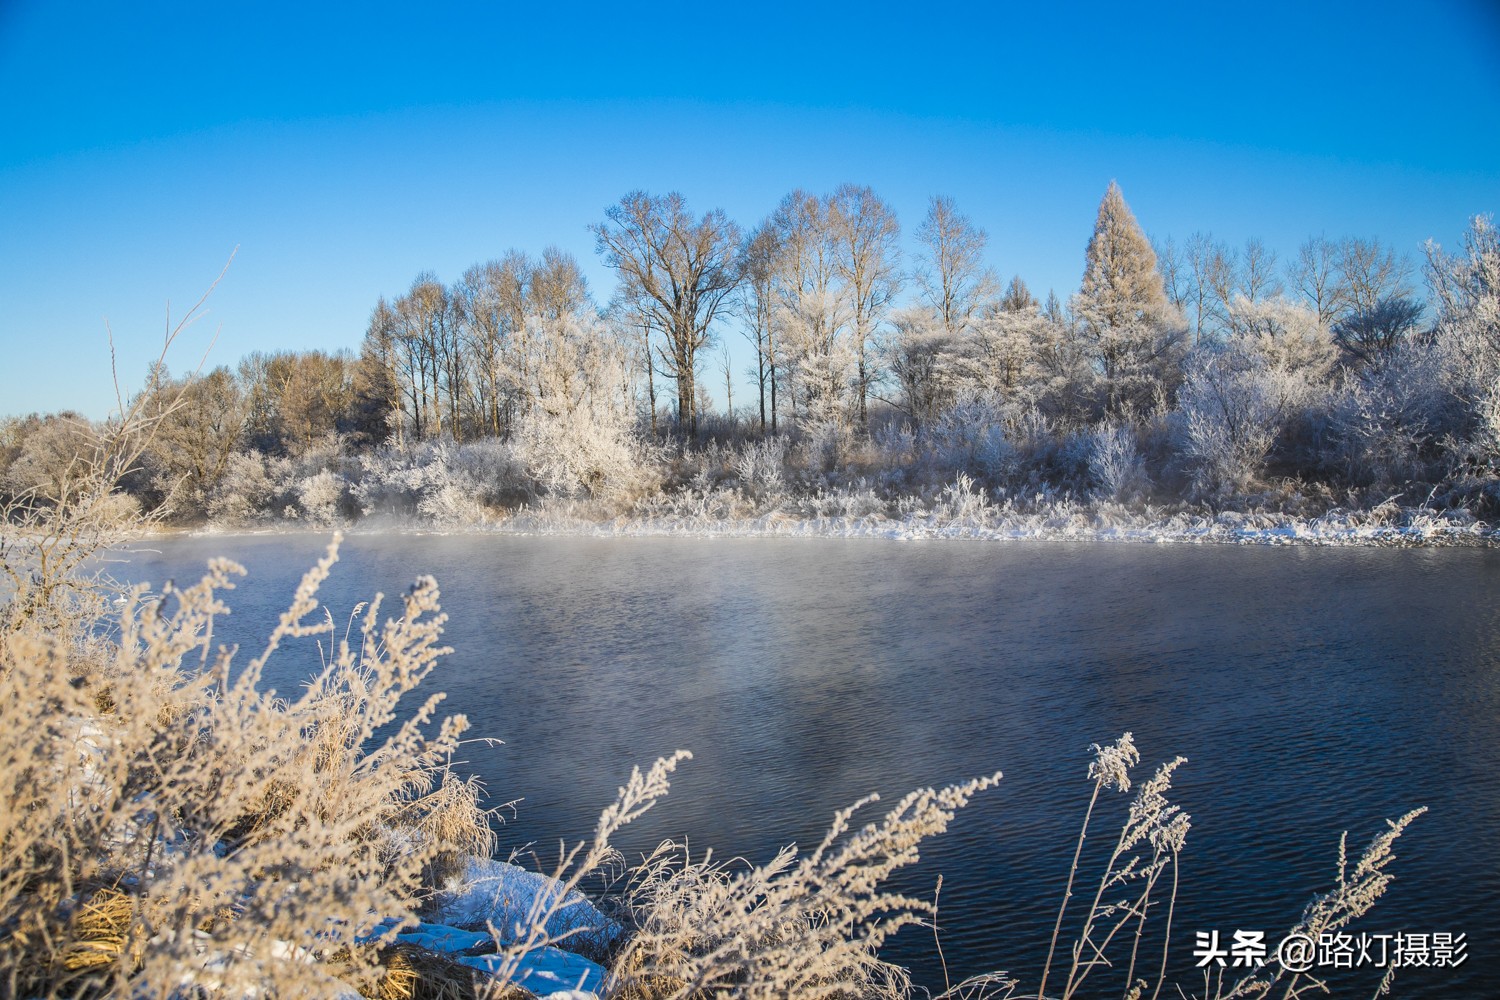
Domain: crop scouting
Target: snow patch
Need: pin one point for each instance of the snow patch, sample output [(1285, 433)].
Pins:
[(545, 971), (505, 896)]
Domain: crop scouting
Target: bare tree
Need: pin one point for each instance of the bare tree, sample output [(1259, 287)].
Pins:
[(1314, 275), (1018, 297), (1371, 273), (756, 303), (1254, 281), (812, 307), (1176, 276), (679, 271), (728, 371), (490, 302), (867, 237), (953, 279), (1371, 336), (1211, 284), (1257, 278)]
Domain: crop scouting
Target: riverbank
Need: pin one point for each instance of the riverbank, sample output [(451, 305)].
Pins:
[(1385, 525)]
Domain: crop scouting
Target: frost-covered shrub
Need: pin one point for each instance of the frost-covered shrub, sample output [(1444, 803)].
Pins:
[(852, 501), (761, 468), (1387, 422), (968, 437), (451, 484), (319, 497), (1228, 419), (823, 445), (961, 500), (573, 455), (1115, 464), (251, 487), (1241, 398)]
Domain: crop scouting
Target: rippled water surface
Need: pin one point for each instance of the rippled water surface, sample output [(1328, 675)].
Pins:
[(1312, 690)]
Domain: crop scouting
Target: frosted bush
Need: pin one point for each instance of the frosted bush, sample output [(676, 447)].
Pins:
[(969, 437), (852, 501), (451, 503), (1228, 420), (961, 501), (451, 484), (1114, 463), (572, 455), (250, 488), (825, 443), (319, 497), (1387, 423), (760, 468), (391, 482)]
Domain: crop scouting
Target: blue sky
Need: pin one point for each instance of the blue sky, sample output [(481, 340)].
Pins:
[(345, 152)]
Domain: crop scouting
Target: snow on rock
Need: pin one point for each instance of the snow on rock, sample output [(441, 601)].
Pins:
[(547, 972), (502, 895), (437, 937)]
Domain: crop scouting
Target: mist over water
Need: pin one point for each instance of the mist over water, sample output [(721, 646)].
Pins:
[(1312, 691)]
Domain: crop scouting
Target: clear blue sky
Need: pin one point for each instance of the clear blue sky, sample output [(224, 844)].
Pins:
[(345, 149)]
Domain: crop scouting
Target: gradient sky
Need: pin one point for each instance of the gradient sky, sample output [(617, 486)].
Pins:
[(346, 149)]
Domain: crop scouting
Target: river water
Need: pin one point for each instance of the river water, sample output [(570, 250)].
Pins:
[(1312, 690)]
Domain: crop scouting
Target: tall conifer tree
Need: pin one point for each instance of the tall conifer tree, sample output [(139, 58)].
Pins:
[(1133, 333)]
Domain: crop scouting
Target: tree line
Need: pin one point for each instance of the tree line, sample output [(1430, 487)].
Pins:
[(1228, 358)]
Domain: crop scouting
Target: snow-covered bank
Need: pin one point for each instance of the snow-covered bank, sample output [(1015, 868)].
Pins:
[(1387, 525)]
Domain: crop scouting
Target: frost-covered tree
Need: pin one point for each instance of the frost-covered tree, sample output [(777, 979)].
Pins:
[(43, 453), (491, 304), (418, 337), (679, 273), (917, 353), (1122, 313), (200, 424), (998, 355), (813, 308), (1287, 335), (1018, 297), (756, 303), (577, 438), (1371, 336), (952, 276), (1240, 396), (867, 255), (1466, 294), (297, 400), (1314, 276)]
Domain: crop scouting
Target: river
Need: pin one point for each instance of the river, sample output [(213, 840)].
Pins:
[(1312, 690)]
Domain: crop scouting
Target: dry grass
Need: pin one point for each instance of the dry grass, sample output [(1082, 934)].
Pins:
[(238, 838), (805, 927)]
